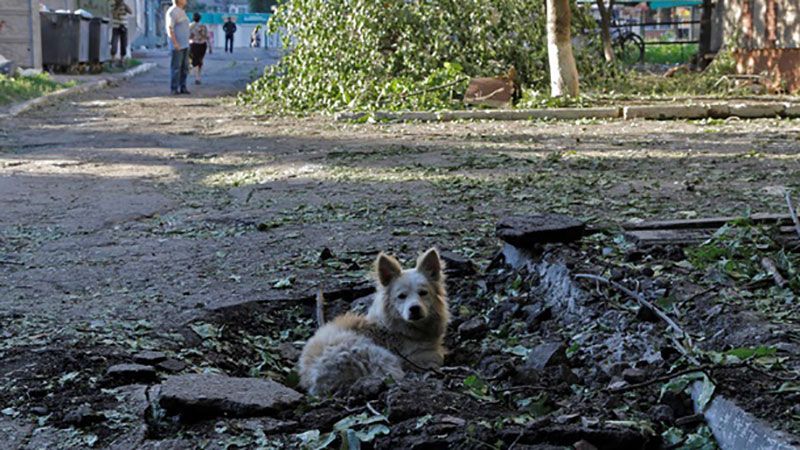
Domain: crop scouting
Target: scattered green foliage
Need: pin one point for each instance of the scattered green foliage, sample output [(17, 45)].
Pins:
[(736, 250), (702, 439), (20, 88), (352, 431), (406, 54)]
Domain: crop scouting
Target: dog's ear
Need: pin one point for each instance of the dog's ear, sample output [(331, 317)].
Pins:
[(387, 268), (431, 265)]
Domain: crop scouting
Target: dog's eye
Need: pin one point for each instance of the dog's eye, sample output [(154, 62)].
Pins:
[(422, 293), (402, 296)]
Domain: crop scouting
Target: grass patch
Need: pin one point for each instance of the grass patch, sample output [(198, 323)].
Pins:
[(669, 53), (130, 63), (19, 88)]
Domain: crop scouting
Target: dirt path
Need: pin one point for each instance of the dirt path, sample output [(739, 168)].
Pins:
[(128, 210), (128, 203)]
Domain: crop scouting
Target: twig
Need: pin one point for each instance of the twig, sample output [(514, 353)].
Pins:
[(11, 263), (373, 410), (771, 375), (418, 367), (434, 88), (487, 96), (519, 436), (772, 269), (669, 376), (522, 388), (699, 294), (792, 212), (638, 298), (661, 314)]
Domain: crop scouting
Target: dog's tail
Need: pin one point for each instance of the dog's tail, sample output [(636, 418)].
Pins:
[(320, 309)]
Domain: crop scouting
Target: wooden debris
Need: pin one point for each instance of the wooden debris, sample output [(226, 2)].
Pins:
[(497, 92), (793, 213), (711, 222), (772, 269)]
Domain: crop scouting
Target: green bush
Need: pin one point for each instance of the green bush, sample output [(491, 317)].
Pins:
[(397, 54)]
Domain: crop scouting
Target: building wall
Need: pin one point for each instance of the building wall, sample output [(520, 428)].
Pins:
[(764, 36), (20, 38), (757, 24)]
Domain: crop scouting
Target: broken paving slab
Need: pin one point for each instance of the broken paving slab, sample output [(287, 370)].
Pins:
[(529, 231), (746, 110), (198, 396), (665, 112), (735, 429)]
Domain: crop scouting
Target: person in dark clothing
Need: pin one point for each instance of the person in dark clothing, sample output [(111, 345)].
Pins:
[(119, 32), (229, 28)]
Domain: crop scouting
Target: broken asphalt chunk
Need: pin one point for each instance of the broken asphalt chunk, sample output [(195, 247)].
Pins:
[(198, 396), (532, 230)]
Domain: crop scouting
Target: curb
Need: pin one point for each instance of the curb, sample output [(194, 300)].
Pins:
[(79, 89), (735, 428), (718, 110)]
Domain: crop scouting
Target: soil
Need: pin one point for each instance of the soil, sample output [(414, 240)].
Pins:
[(133, 220)]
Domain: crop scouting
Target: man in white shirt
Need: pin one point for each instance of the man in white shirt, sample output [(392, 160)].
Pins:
[(178, 33)]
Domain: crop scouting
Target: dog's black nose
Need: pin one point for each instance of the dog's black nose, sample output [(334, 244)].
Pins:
[(415, 312)]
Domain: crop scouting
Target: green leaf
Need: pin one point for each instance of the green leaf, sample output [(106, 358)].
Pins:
[(679, 384), (206, 330), (752, 352), (284, 283), (371, 432), (706, 393)]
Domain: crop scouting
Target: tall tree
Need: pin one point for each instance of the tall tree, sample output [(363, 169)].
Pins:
[(563, 72), (605, 28)]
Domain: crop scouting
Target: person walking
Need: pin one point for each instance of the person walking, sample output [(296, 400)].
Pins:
[(198, 44), (230, 29), (178, 32), (255, 37), (119, 32)]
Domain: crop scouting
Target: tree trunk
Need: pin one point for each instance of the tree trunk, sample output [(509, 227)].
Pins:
[(563, 72), (704, 46), (605, 28)]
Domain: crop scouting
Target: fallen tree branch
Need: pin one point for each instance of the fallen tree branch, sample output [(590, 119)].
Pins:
[(792, 212)]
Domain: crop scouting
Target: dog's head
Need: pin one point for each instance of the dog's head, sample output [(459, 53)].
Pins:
[(416, 296)]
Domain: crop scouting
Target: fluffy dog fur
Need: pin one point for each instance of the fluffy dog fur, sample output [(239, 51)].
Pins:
[(404, 329)]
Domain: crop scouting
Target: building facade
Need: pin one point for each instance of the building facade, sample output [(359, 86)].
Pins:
[(764, 36)]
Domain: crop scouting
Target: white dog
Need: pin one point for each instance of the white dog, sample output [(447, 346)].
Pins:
[(404, 328)]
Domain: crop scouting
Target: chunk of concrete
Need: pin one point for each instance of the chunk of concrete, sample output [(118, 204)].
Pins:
[(131, 373), (197, 396), (546, 355)]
